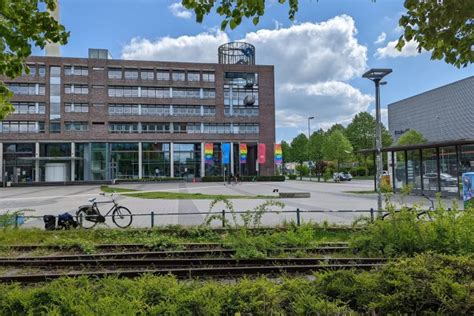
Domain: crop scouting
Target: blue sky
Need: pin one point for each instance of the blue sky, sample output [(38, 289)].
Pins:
[(318, 60)]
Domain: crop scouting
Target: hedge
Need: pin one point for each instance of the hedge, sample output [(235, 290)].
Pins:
[(153, 179), (244, 178)]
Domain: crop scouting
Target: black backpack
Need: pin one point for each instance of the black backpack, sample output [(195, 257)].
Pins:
[(66, 221), (49, 222)]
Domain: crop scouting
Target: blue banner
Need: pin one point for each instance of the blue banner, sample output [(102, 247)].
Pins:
[(226, 153)]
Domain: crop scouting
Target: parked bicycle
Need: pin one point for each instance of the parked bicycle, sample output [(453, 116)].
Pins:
[(422, 215), (89, 215)]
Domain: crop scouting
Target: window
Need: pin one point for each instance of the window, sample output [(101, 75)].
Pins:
[(147, 74), (209, 111), (42, 71), (55, 127), (155, 127), (180, 110), (208, 94), (21, 127), (186, 93), (115, 73), (160, 93), (179, 128), (123, 127), (193, 76), (179, 76), (76, 89), (131, 74), (76, 71), (76, 107), (193, 128), (156, 110), (123, 109), (25, 89), (32, 71), (77, 126), (208, 77), (27, 108), (163, 75), (119, 91)]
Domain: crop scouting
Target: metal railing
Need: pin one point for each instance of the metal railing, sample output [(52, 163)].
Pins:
[(20, 219)]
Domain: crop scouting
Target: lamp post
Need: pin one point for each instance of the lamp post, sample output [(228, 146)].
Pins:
[(309, 136), (376, 75)]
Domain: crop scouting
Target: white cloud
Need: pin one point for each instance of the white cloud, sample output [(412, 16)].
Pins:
[(179, 11), (390, 51), (312, 62), (198, 48), (381, 38)]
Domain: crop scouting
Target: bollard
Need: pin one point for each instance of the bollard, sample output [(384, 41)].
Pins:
[(223, 218), (298, 219), (371, 215), (16, 220), (152, 219)]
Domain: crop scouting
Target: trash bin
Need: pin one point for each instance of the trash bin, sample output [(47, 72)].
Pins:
[(468, 189), (385, 180)]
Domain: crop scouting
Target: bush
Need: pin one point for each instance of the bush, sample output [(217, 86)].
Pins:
[(292, 176), (426, 284), (152, 179), (244, 178), (358, 171)]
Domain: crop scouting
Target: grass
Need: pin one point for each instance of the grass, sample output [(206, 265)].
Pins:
[(180, 195)]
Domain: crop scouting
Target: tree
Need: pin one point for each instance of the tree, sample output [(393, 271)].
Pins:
[(337, 148), (286, 151), (443, 27), (411, 137), (315, 145), (299, 151), (23, 24), (336, 127)]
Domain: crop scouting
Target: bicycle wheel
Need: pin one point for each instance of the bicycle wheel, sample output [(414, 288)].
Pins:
[(85, 219), (122, 217)]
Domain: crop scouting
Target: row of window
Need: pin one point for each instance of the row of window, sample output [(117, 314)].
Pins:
[(27, 88), (189, 128), (161, 75), (76, 71), (76, 107), (33, 71), (21, 127), (76, 89), (161, 110), (29, 108), (160, 93), (241, 111)]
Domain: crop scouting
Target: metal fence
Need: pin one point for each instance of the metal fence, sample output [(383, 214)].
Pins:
[(19, 219)]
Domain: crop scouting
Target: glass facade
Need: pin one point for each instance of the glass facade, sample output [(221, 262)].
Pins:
[(187, 160), (99, 159), (214, 168), (19, 165), (124, 160), (156, 160)]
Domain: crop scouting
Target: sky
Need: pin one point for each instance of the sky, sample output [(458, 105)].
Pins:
[(319, 57)]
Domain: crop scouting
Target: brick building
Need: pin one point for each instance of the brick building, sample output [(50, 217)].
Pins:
[(97, 118)]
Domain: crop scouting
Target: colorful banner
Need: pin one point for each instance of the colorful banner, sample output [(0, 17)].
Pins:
[(209, 152), (261, 153), (226, 153), (243, 153), (278, 154)]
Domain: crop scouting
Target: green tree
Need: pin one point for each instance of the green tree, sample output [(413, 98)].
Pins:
[(443, 27), (22, 24), (411, 137), (299, 146), (337, 148), (286, 150), (315, 145), (336, 127)]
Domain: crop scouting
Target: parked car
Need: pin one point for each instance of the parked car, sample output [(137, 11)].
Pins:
[(342, 176)]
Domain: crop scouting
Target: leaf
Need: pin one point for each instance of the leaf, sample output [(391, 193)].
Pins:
[(255, 20)]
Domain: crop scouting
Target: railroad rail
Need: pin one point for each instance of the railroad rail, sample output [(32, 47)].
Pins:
[(205, 272), (222, 252)]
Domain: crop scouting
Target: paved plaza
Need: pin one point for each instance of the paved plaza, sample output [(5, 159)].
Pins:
[(324, 196)]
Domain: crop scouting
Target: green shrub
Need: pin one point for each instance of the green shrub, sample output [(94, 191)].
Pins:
[(292, 176), (244, 178)]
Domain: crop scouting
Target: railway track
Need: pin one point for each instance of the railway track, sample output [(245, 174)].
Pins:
[(193, 272), (221, 252), (136, 246)]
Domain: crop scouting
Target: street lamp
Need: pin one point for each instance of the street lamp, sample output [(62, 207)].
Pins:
[(309, 126), (309, 136), (376, 75)]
